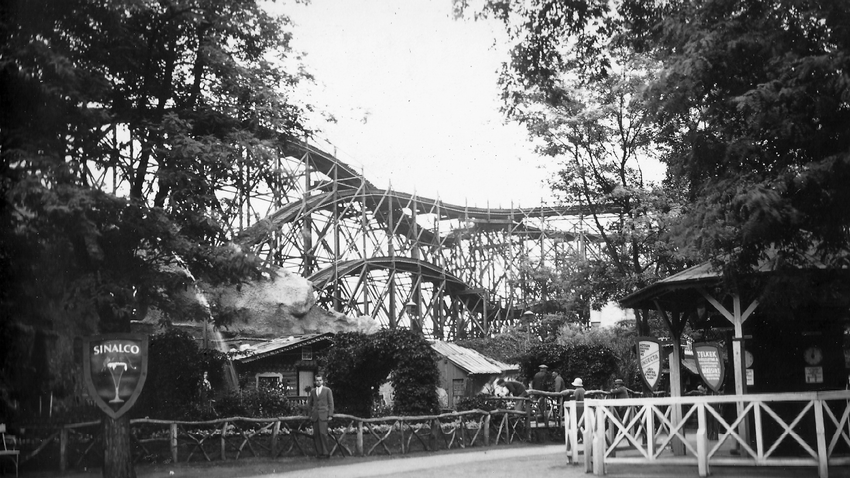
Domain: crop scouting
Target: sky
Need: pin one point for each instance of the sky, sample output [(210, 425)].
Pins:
[(416, 100)]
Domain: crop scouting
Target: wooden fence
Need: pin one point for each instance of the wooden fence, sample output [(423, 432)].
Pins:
[(78, 445), (787, 429)]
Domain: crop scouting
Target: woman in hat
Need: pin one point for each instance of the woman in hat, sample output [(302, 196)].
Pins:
[(578, 397)]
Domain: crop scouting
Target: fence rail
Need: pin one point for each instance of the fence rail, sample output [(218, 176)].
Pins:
[(74, 446), (787, 429)]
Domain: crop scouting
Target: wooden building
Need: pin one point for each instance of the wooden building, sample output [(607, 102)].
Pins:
[(287, 362), (465, 372)]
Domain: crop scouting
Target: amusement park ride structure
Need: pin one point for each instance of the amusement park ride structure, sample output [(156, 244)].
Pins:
[(407, 261)]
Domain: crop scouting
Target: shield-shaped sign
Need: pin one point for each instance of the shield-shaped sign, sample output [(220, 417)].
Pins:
[(710, 364), (649, 353), (115, 368)]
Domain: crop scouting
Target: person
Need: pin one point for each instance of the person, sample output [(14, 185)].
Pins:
[(620, 390), (540, 382), (321, 405), (558, 383), (578, 397), (515, 389)]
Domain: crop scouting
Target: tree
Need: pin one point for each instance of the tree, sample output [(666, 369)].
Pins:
[(750, 104), (580, 94), (358, 364), (123, 123)]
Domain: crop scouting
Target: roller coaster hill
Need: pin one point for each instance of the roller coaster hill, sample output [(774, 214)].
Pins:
[(405, 260)]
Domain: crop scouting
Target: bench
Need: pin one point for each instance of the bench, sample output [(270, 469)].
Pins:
[(10, 447)]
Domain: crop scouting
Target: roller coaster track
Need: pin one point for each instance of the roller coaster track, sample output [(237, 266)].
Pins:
[(410, 261), (407, 261)]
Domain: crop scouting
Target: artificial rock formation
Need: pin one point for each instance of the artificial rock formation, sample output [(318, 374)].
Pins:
[(281, 305)]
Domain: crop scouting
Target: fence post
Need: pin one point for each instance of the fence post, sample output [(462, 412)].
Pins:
[(359, 437), (223, 442), (487, 429), (275, 433), (401, 434), (598, 441), (435, 428), (63, 450), (172, 434), (820, 431), (587, 435), (702, 440), (528, 418)]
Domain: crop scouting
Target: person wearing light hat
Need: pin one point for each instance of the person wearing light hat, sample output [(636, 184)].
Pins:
[(578, 393), (578, 397)]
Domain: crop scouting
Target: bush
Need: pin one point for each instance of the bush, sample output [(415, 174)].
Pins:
[(358, 364), (263, 403), (479, 402), (174, 386), (595, 364)]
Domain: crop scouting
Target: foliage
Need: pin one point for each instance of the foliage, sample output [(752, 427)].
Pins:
[(123, 123), (478, 402), (174, 386), (590, 116), (505, 346), (358, 364), (255, 403), (619, 339), (594, 364), (749, 111)]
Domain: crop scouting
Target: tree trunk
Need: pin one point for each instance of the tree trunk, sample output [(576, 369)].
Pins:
[(117, 452)]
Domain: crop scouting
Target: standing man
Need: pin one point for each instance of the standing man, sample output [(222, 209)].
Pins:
[(540, 382), (321, 405), (559, 384)]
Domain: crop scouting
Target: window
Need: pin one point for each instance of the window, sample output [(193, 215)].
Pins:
[(458, 390), (307, 352), (268, 380)]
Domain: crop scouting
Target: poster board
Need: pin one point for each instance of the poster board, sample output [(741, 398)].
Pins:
[(649, 360), (709, 358)]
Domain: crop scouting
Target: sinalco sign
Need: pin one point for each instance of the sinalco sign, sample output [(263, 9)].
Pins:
[(115, 368)]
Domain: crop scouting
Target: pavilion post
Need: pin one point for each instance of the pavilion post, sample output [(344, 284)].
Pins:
[(737, 317)]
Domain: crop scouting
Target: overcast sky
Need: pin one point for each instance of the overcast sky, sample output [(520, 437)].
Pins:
[(416, 101)]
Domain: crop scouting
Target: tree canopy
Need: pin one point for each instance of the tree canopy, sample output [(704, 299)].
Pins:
[(128, 130), (749, 106)]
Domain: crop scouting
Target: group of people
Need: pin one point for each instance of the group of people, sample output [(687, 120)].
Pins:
[(543, 380), (547, 381)]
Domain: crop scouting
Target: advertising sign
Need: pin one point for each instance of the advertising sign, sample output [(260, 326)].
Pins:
[(115, 368), (649, 353), (710, 364)]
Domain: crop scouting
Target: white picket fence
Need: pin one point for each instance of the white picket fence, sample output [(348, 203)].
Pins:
[(783, 429)]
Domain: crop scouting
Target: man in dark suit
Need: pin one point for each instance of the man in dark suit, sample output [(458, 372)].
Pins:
[(321, 405)]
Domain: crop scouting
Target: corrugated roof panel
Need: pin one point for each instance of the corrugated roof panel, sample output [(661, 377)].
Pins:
[(279, 345), (470, 360)]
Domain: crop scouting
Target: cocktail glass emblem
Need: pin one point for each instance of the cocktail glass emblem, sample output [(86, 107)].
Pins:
[(116, 369)]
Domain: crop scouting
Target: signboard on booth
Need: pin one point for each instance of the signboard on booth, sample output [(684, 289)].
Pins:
[(710, 365), (649, 354), (115, 368)]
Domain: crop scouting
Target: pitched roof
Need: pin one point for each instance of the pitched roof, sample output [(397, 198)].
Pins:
[(471, 361), (280, 345)]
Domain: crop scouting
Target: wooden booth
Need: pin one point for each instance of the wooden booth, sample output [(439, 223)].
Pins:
[(285, 362), (769, 344), (465, 372)]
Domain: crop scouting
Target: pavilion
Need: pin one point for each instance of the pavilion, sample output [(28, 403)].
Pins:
[(778, 343)]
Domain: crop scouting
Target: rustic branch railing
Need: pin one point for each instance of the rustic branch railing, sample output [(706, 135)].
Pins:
[(787, 429), (237, 437)]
